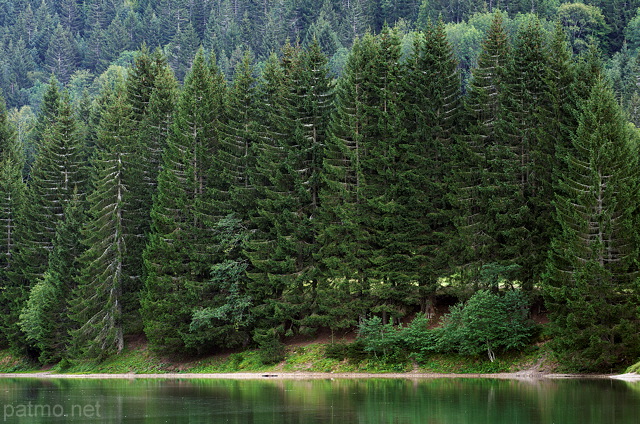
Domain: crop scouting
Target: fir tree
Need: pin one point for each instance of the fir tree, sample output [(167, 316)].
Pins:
[(433, 105), (178, 256), (46, 118), (590, 283), (57, 174), (143, 160), (61, 56), (283, 252), (276, 131), (44, 319), (355, 148), (488, 190), (385, 201), (345, 282), (97, 305), (529, 108), (181, 50), (235, 160), (12, 197)]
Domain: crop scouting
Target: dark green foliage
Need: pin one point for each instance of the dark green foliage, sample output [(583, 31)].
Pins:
[(35, 319), (272, 350), (236, 158), (57, 175), (363, 176), (47, 116), (433, 110), (492, 178), (224, 318), (529, 108), (289, 163), (590, 283), (336, 351), (12, 197), (151, 92), (345, 266), (486, 323), (97, 305), (181, 50), (474, 220), (61, 55), (293, 201), (179, 256), (44, 319)]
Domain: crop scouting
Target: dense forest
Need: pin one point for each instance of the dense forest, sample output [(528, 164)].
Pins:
[(223, 174)]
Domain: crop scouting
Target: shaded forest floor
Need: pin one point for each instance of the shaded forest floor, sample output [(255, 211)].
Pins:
[(303, 355)]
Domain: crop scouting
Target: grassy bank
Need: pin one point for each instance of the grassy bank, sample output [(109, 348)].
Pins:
[(307, 358)]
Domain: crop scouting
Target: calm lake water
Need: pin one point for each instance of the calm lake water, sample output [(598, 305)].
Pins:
[(367, 401)]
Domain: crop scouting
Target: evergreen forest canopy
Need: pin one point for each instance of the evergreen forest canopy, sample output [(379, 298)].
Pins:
[(225, 195)]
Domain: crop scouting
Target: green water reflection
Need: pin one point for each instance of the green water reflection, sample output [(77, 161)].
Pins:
[(370, 401)]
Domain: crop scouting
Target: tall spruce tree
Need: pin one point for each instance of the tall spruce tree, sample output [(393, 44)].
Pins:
[(290, 165), (590, 283), (529, 110), (57, 174), (45, 318), (560, 112), (343, 289), (97, 305), (179, 254), (150, 90), (488, 191), (433, 107), (222, 316), (276, 129), (386, 202), (357, 205), (46, 118), (236, 157), (12, 197)]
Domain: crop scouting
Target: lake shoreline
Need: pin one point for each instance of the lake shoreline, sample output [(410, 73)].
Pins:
[(318, 376)]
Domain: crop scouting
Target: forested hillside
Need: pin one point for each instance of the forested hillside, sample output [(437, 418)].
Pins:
[(223, 174)]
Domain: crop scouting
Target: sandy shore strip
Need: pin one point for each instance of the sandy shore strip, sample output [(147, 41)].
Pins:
[(525, 375), (630, 376)]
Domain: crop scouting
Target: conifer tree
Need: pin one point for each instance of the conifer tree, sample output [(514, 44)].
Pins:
[(97, 305), (235, 160), (57, 174), (358, 204), (45, 318), (222, 316), (276, 127), (590, 283), (12, 196), (149, 128), (488, 190), (529, 107), (46, 118), (386, 201), (181, 50), (344, 290), (433, 105), (283, 252), (179, 255), (61, 56)]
